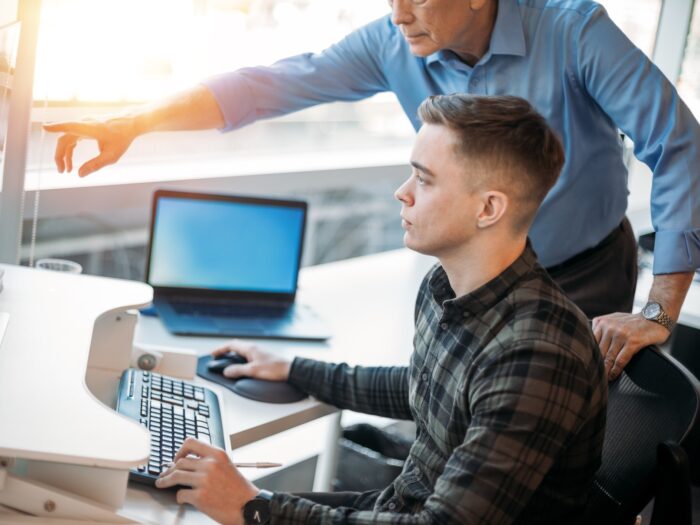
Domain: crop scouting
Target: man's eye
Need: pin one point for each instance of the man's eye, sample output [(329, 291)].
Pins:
[(420, 179)]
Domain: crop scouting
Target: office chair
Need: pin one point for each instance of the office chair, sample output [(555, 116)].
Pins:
[(652, 413)]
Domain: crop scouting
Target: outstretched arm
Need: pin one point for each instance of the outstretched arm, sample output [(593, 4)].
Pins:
[(193, 109), (348, 70)]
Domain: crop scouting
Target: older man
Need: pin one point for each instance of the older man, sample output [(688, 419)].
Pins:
[(571, 62)]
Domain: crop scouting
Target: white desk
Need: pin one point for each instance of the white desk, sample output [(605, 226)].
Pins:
[(369, 304), (58, 375)]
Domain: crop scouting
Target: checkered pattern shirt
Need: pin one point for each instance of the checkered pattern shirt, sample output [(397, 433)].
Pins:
[(507, 388)]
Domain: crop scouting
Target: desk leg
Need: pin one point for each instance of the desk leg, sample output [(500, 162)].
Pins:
[(328, 459)]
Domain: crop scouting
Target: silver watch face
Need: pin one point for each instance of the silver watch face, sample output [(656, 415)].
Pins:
[(652, 310)]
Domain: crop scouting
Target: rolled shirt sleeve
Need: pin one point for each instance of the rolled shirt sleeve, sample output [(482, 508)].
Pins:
[(646, 107)]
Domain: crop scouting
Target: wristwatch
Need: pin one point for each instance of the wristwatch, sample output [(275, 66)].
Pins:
[(655, 312), (257, 510)]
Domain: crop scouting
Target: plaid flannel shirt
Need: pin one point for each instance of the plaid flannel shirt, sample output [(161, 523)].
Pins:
[(507, 388)]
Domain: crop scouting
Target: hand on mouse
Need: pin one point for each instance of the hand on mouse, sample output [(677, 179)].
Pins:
[(260, 365)]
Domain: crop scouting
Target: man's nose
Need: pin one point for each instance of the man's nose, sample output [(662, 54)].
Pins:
[(403, 193), (401, 12)]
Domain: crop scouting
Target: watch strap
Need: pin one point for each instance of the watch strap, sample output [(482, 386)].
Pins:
[(257, 510), (664, 320)]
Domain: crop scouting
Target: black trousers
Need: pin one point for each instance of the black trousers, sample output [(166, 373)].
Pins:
[(602, 279)]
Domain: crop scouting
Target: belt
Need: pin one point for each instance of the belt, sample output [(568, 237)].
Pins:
[(610, 238)]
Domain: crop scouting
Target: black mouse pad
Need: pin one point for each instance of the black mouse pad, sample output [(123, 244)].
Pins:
[(255, 389)]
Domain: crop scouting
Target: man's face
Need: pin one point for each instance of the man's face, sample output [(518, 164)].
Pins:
[(439, 207), (431, 25)]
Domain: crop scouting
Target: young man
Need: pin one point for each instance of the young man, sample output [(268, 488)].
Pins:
[(506, 385)]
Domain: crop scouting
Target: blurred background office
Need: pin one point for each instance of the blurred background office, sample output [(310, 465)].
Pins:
[(100, 57)]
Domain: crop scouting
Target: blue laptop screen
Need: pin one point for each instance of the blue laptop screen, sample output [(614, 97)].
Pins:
[(225, 245)]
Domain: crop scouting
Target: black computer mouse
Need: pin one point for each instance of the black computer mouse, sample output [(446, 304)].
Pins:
[(218, 364)]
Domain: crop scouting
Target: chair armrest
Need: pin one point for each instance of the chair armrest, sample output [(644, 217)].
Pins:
[(672, 503)]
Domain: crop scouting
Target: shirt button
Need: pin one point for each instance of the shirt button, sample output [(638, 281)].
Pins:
[(443, 326), (424, 377), (392, 506)]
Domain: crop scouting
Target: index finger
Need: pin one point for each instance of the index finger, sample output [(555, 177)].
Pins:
[(597, 331), (194, 446), (234, 345), (83, 129)]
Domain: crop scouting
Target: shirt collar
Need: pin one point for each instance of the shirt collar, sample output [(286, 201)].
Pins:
[(486, 296), (508, 37)]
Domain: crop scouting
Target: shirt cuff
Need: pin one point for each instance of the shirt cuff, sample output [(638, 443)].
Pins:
[(234, 97), (288, 509), (676, 251), (301, 373)]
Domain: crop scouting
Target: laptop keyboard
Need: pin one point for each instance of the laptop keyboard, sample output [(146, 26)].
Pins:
[(228, 309)]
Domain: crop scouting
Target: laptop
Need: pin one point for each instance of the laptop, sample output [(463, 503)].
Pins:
[(228, 265)]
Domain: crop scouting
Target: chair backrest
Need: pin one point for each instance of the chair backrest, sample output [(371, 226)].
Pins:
[(655, 400)]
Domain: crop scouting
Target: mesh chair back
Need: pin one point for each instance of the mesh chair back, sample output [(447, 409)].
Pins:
[(656, 399)]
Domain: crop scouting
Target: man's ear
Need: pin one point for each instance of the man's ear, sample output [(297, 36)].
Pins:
[(494, 205)]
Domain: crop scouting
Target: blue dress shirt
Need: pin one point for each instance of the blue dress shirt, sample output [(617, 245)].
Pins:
[(573, 64)]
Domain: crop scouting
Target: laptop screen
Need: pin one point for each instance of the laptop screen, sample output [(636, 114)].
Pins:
[(225, 243)]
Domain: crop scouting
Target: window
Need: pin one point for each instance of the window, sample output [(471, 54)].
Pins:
[(638, 19), (134, 50), (100, 57), (689, 82), (96, 58)]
